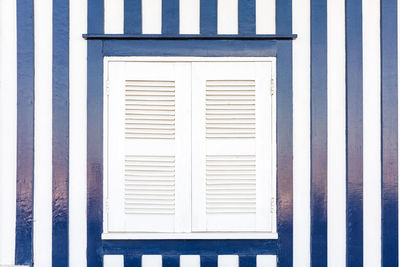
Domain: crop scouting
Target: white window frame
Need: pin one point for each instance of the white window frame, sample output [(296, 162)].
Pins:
[(193, 235)]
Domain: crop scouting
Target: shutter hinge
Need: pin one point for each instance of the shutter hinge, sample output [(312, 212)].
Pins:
[(273, 86), (107, 205), (272, 205), (107, 87)]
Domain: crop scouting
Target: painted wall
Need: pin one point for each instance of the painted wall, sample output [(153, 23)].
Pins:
[(345, 130)]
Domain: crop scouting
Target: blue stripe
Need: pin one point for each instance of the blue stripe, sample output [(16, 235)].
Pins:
[(25, 133), (389, 108), (319, 133), (132, 261), (170, 17), (170, 260), (354, 129), (60, 132), (283, 16), (248, 261), (132, 16), (95, 134), (208, 16), (209, 261), (247, 17)]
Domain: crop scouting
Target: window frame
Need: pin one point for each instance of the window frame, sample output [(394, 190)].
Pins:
[(191, 235)]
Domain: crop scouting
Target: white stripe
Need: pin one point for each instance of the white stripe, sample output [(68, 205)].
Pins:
[(77, 134), (43, 134), (189, 261), (228, 261), (151, 261), (8, 128), (114, 16), (266, 261), (265, 16), (151, 16), (301, 134), (113, 261), (398, 110), (189, 12), (372, 128), (227, 16), (336, 134)]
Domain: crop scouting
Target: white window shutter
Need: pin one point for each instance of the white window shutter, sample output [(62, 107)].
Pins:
[(148, 147), (232, 146)]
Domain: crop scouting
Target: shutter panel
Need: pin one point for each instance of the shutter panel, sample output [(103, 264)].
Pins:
[(149, 149), (231, 146)]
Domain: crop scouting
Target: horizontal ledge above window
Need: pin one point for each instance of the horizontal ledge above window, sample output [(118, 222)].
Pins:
[(188, 37), (164, 236)]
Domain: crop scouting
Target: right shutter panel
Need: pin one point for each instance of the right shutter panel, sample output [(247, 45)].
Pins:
[(232, 146)]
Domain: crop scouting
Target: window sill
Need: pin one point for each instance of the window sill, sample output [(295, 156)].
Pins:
[(163, 236)]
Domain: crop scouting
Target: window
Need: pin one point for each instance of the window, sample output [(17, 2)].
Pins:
[(189, 148)]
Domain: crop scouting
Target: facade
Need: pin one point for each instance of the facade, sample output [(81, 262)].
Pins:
[(225, 133)]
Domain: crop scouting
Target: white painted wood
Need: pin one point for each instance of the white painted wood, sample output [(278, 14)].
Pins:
[(265, 16), (336, 134), (42, 233), (227, 16), (113, 261), (398, 110), (77, 133), (189, 16), (189, 261), (191, 59), (114, 16), (151, 16), (8, 128), (228, 261), (266, 261), (301, 134), (240, 151), (372, 133), (151, 261), (148, 147), (231, 235)]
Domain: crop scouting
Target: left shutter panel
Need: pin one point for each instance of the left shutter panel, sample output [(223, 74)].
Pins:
[(149, 147)]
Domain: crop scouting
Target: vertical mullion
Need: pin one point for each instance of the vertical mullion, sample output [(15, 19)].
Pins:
[(389, 133), (319, 125)]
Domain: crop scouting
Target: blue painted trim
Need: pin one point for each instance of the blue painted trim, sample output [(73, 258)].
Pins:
[(389, 134), (188, 37), (247, 17), (208, 16), (25, 133), (208, 249), (60, 119), (319, 125), (201, 48), (248, 261), (132, 261), (191, 247), (132, 16), (284, 134), (354, 130), (283, 16), (170, 260), (170, 17), (209, 261), (94, 153), (95, 17)]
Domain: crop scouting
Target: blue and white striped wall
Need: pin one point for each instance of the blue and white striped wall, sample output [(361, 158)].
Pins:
[(345, 123)]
